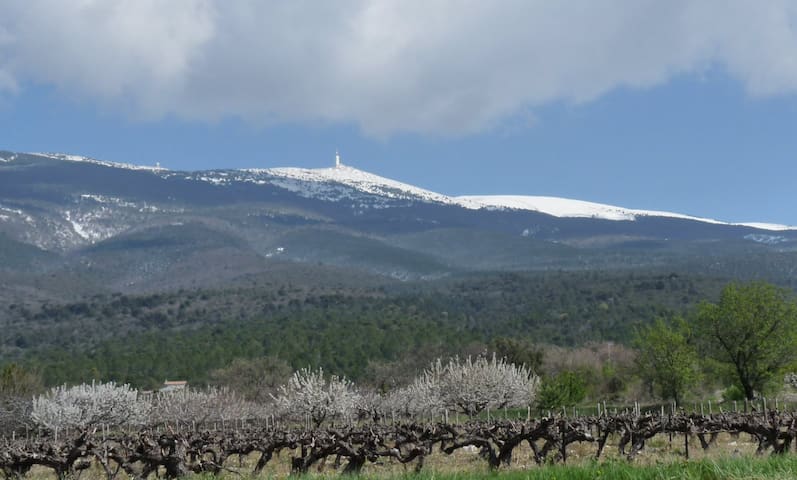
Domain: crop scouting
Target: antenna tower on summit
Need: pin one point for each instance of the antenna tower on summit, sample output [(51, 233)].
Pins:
[(337, 159)]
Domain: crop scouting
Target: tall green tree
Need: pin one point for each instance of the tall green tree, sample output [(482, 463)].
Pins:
[(566, 389), (519, 351), (667, 359), (253, 378), (753, 330), (17, 385), (17, 381)]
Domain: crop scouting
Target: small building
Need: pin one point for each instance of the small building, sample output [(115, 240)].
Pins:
[(173, 386)]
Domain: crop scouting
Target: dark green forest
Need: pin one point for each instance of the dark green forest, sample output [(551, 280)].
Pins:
[(144, 339)]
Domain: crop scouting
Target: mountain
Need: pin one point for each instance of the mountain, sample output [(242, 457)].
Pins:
[(138, 273), (121, 227)]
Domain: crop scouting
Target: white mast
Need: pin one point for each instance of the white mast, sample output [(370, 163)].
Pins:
[(337, 159)]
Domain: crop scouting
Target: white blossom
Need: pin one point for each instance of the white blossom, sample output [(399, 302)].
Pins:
[(203, 406), (83, 406), (468, 386), (486, 383), (421, 397), (309, 394)]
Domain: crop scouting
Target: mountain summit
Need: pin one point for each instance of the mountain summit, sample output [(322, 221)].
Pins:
[(320, 183), (128, 224)]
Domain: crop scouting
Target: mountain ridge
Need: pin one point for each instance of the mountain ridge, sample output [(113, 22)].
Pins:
[(241, 221), (375, 184)]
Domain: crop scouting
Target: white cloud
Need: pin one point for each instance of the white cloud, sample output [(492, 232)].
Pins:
[(431, 66), (138, 50)]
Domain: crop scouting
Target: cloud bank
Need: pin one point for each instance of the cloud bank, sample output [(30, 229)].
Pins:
[(444, 67)]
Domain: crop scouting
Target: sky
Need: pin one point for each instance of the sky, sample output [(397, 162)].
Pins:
[(687, 106)]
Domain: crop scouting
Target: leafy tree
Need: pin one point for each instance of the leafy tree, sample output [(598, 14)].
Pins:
[(519, 352), (16, 381), (256, 379), (753, 329), (563, 390), (17, 385), (667, 360)]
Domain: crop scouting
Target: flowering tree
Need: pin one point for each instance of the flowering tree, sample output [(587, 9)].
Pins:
[(311, 394), (369, 405), (202, 406), (421, 397), (468, 386), (83, 406), (474, 385)]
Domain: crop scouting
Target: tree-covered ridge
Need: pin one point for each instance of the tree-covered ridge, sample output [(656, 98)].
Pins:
[(339, 338), (186, 334)]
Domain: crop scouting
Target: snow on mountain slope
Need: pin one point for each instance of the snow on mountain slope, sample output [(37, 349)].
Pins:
[(766, 226), (563, 207), (301, 180), (558, 207), (310, 182), (318, 182), (104, 163), (345, 182)]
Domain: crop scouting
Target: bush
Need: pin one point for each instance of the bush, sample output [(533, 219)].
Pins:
[(563, 390)]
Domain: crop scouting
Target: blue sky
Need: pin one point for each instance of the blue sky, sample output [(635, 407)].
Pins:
[(694, 120)]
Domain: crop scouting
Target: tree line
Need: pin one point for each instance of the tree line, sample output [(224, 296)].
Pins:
[(467, 386), (190, 334), (742, 343), (747, 340)]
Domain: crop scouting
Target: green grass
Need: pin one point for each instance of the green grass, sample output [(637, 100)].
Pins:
[(737, 468), (745, 467), (723, 469)]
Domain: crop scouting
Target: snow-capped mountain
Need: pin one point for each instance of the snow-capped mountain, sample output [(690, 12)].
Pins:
[(319, 183), (78, 158), (564, 207), (157, 221), (325, 184)]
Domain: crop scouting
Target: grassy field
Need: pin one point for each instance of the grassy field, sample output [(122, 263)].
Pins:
[(719, 469), (730, 458), (730, 468)]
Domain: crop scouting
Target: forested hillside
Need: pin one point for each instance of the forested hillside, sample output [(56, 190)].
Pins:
[(144, 339)]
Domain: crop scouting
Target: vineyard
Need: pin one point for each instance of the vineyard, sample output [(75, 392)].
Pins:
[(477, 410), (247, 448)]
